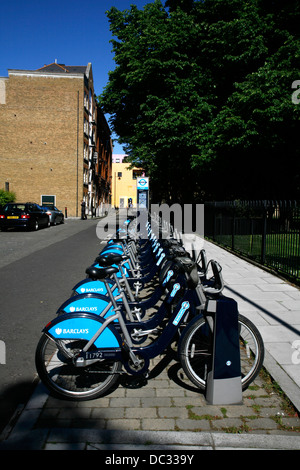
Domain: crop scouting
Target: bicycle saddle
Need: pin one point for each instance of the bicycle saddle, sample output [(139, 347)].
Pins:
[(110, 259), (100, 273)]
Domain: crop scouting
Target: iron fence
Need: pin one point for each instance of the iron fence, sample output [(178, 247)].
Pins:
[(267, 232)]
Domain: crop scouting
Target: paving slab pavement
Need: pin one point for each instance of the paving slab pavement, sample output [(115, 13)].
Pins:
[(273, 305), (167, 412)]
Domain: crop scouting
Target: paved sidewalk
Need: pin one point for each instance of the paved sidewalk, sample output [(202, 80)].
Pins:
[(167, 412), (273, 305)]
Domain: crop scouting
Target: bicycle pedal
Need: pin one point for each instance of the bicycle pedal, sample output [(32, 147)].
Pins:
[(140, 333)]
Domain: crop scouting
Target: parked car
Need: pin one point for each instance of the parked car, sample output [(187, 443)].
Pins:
[(25, 215), (56, 216)]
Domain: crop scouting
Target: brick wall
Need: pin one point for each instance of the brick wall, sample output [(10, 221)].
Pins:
[(41, 138)]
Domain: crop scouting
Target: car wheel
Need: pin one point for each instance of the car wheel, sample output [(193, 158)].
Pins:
[(36, 225)]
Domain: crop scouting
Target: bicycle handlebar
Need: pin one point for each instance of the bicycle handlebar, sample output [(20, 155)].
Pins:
[(217, 280)]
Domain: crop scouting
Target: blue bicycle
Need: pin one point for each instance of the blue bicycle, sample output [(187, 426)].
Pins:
[(81, 355)]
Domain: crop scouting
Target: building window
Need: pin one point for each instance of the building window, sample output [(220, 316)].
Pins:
[(137, 173), (85, 176), (86, 127), (48, 200)]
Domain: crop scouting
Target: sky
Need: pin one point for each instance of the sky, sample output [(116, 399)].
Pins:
[(73, 32)]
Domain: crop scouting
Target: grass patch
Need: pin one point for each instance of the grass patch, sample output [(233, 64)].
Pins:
[(194, 416), (272, 387)]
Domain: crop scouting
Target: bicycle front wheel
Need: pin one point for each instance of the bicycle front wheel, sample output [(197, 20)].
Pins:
[(196, 351), (54, 364)]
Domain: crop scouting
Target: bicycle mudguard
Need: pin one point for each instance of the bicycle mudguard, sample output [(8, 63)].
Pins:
[(111, 247), (114, 250), (90, 286), (90, 303), (83, 326)]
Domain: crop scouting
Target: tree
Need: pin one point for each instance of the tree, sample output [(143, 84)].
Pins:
[(153, 94), (184, 5), (254, 61), (251, 142), (201, 96), (6, 196)]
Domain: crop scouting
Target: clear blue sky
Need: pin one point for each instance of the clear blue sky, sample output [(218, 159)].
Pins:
[(36, 32)]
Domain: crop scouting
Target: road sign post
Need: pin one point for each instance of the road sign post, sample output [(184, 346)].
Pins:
[(142, 186)]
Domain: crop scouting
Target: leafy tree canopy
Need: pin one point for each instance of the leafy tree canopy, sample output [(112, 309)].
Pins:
[(201, 96)]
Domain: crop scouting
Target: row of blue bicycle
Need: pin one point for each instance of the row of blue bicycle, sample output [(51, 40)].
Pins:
[(141, 297)]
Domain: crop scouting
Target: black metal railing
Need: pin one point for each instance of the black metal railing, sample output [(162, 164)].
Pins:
[(267, 232)]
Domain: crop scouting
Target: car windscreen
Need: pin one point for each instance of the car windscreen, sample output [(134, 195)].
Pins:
[(14, 207)]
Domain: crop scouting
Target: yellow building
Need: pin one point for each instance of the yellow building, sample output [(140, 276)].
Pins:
[(123, 187)]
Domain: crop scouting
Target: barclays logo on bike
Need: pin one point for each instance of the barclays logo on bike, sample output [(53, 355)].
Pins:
[(72, 331), (93, 289), (83, 309)]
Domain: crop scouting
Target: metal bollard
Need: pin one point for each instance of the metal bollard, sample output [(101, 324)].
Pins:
[(224, 384)]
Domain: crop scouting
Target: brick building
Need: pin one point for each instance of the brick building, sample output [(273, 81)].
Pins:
[(55, 143)]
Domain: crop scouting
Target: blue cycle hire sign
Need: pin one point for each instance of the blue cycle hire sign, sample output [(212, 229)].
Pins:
[(142, 182)]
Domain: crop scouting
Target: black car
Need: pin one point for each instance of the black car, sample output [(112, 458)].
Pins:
[(25, 215)]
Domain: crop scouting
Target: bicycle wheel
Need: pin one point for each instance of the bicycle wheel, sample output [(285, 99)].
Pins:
[(54, 364), (196, 351)]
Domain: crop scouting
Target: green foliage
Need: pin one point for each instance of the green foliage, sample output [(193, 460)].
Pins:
[(6, 196), (201, 94)]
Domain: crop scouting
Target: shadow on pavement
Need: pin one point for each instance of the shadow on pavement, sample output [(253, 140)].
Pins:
[(11, 398)]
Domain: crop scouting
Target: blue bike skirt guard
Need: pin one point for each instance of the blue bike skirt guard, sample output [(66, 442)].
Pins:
[(89, 286), (110, 249), (85, 328), (90, 303)]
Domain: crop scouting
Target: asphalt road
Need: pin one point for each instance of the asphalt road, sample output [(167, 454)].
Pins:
[(37, 273)]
